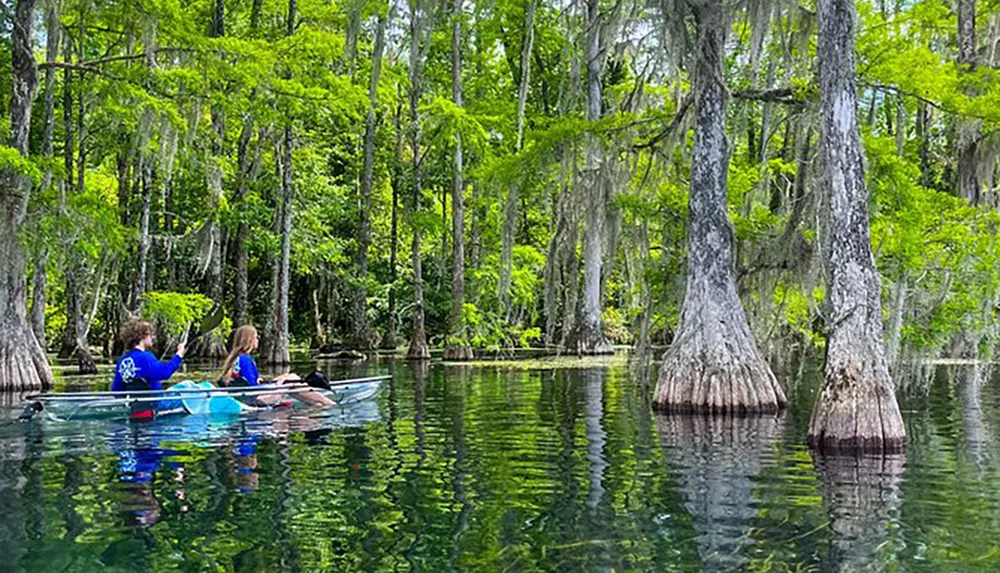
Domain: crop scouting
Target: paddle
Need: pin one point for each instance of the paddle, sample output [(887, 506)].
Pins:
[(210, 322)]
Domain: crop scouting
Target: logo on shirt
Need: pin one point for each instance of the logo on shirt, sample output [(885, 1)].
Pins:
[(236, 368), (127, 369)]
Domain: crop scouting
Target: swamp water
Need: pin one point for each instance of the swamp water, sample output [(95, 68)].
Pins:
[(500, 469)]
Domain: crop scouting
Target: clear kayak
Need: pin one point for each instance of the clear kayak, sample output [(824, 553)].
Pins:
[(191, 398)]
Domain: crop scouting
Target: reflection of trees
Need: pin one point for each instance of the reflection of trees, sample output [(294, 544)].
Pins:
[(969, 381), (593, 404), (862, 495), (717, 459)]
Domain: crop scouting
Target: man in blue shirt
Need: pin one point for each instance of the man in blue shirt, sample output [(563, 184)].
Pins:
[(139, 363)]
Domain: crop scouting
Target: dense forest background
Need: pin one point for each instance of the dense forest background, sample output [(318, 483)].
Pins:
[(488, 175)]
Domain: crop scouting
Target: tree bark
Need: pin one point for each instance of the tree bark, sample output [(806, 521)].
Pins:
[(278, 349), (360, 333), (713, 365), (587, 336), (856, 409), (23, 365), (457, 345), (246, 167), (389, 336), (970, 181), (39, 275), (39, 285), (139, 286), (418, 349)]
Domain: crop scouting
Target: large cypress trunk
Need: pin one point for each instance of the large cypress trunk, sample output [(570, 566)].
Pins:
[(418, 349), (587, 336), (713, 365), (856, 409), (457, 346), (22, 363)]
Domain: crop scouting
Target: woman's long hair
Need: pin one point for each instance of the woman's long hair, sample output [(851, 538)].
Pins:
[(243, 341)]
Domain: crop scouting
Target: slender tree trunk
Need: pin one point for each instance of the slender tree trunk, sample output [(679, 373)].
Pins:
[(360, 333), (319, 332), (713, 365), (278, 347), (39, 274), (457, 346), (246, 168), (389, 337), (856, 408), (142, 257), (39, 285), (279, 323), (970, 181), (510, 205), (418, 342), (588, 334), (22, 363), (923, 140)]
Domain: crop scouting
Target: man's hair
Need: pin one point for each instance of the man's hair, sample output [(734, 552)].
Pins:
[(134, 331)]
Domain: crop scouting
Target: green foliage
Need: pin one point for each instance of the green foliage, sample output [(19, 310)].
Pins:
[(12, 160), (173, 312)]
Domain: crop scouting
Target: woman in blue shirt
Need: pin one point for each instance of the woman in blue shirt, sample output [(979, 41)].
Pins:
[(240, 368), (139, 363)]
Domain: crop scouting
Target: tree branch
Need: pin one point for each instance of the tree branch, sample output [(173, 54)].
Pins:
[(674, 124), (776, 95)]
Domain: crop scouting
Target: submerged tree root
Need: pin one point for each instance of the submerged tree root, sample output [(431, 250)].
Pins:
[(857, 413), (21, 367), (584, 341), (458, 353), (701, 382)]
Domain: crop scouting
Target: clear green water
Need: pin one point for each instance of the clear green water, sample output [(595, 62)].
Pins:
[(489, 469)]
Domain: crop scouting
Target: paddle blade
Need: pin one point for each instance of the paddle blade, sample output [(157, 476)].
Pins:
[(211, 321)]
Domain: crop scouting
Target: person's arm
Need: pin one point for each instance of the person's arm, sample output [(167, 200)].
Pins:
[(153, 369)]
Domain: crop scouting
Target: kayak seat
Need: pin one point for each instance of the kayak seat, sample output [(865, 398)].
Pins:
[(139, 410)]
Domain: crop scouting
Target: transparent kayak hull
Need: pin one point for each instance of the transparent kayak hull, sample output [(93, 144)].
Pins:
[(68, 407)]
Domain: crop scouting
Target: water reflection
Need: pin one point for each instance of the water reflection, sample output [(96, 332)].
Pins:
[(593, 404), (862, 496), (969, 380), (718, 460), (469, 468)]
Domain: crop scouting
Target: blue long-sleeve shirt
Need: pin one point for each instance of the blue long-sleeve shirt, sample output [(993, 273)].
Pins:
[(143, 364), (246, 368)]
